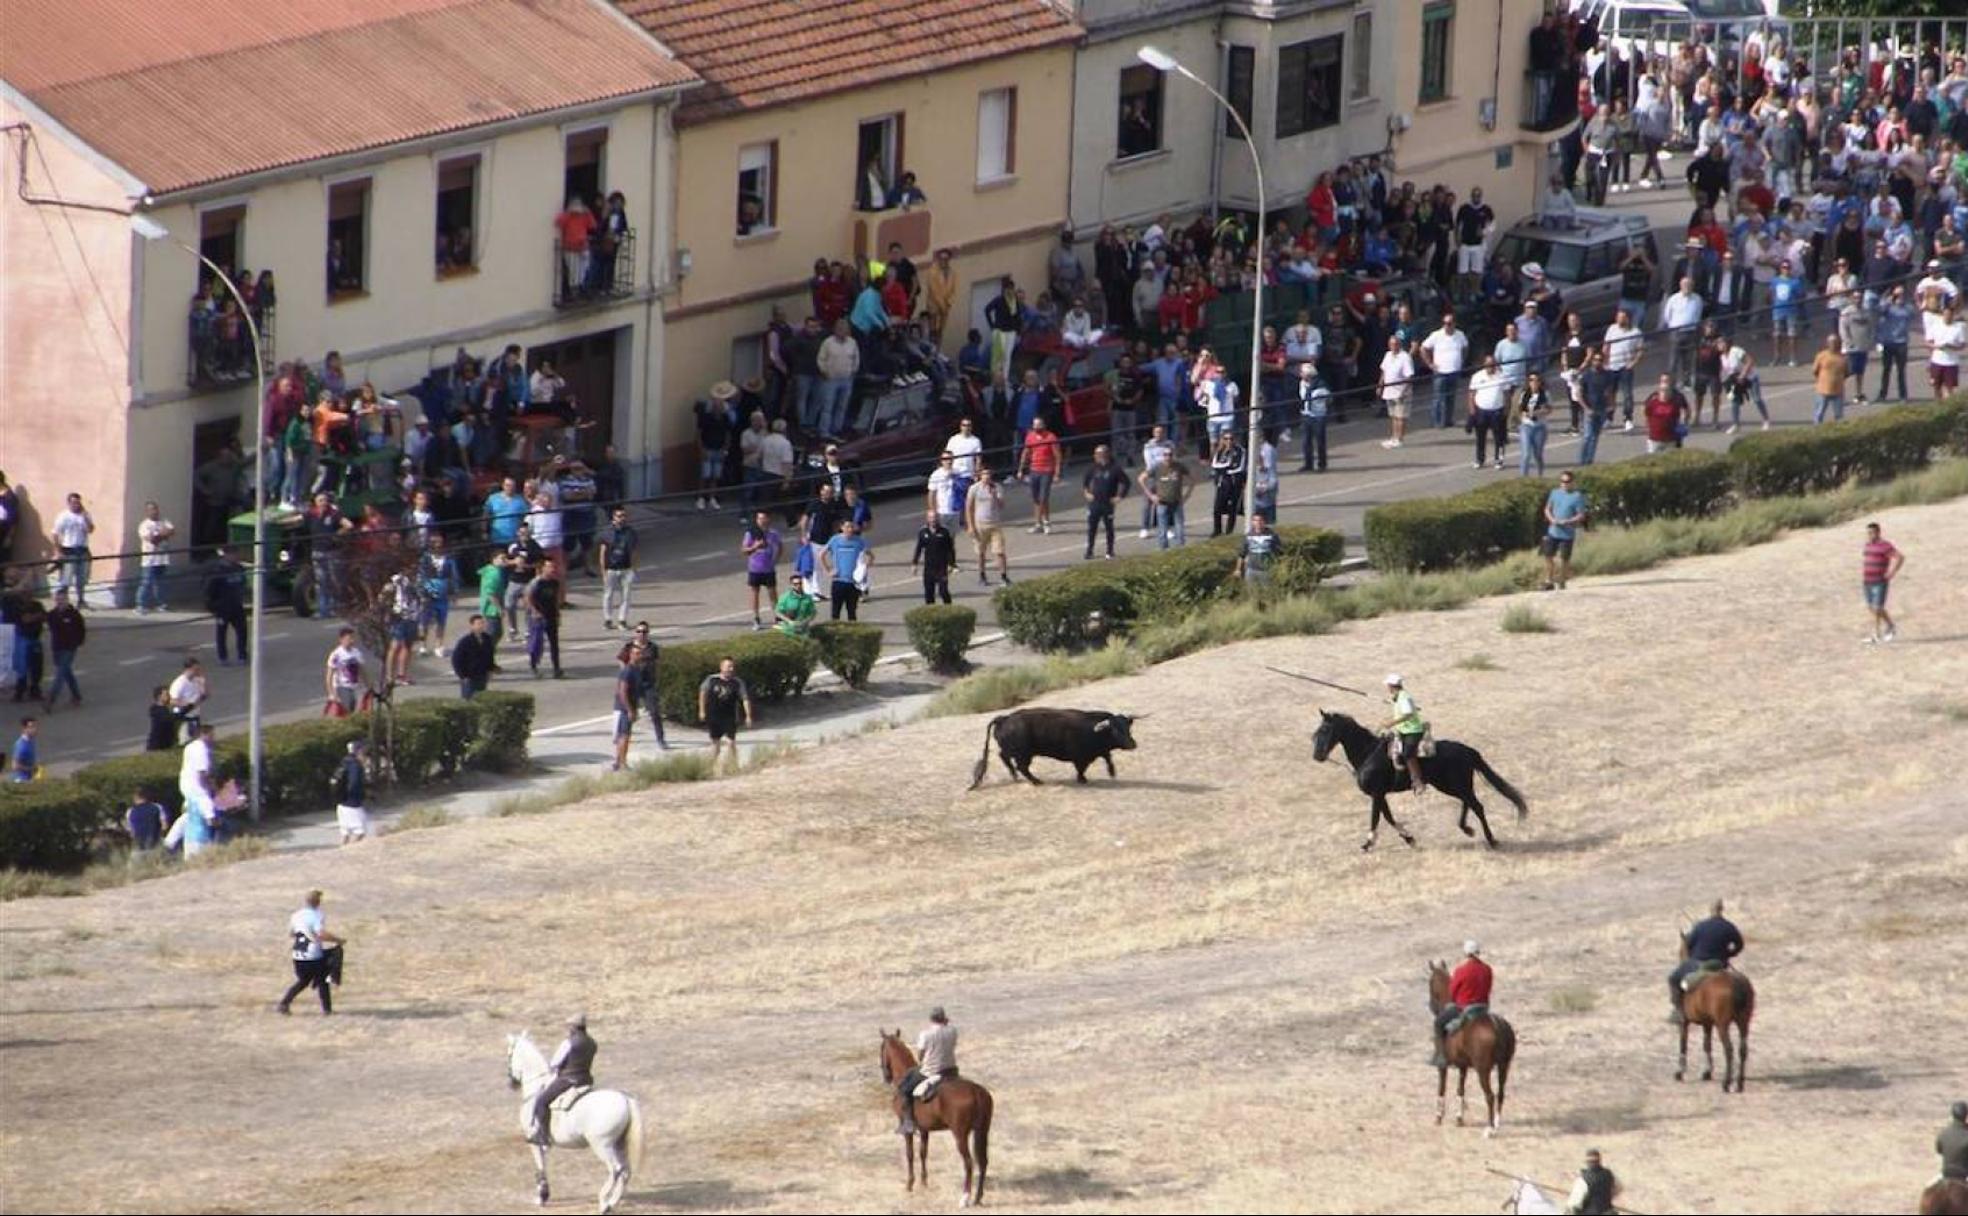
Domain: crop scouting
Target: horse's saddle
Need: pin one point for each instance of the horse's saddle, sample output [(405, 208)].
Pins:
[(1702, 971), (1469, 1014), (926, 1088), (570, 1097)]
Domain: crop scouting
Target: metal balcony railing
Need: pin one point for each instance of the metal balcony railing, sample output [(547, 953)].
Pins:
[(595, 274), (220, 352)]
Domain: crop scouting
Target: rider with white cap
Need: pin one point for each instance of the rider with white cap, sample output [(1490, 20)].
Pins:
[(1408, 730), (1469, 986), (573, 1066)]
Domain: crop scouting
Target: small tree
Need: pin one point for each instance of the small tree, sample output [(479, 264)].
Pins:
[(369, 564)]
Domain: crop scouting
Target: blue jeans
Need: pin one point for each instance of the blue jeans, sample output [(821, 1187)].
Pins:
[(833, 397), (1168, 522), (1623, 385), (1315, 441), (324, 585), (1828, 403), (1530, 447), (1221, 426), (1442, 403), (803, 401), (1589, 445), (73, 572), (297, 464), (150, 588), (64, 674), (1753, 389)]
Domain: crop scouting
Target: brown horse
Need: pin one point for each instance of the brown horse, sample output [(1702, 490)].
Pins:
[(960, 1106), (1944, 1197), (1718, 1001), (1483, 1043)]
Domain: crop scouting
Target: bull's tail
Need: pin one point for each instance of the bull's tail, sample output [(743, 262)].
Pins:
[(1503, 787), (984, 761)]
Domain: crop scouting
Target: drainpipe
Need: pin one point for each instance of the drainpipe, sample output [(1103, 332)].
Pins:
[(660, 277), (1216, 126)]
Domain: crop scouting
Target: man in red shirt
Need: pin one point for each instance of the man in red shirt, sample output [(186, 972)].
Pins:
[(574, 225), (1038, 464), (1881, 562), (1667, 411), (1469, 986)]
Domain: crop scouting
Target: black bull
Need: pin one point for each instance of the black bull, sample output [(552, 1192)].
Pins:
[(1077, 736)]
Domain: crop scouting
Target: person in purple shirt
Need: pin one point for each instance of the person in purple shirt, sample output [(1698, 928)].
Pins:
[(761, 547)]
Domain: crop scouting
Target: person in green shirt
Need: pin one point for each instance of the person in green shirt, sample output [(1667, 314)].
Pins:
[(793, 614), (491, 598), (1408, 729)]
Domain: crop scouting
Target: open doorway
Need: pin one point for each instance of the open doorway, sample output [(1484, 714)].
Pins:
[(878, 161)]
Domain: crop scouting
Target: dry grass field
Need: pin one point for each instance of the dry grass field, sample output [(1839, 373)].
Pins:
[(1188, 988)]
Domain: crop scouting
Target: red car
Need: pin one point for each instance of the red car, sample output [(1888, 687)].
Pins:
[(1082, 373)]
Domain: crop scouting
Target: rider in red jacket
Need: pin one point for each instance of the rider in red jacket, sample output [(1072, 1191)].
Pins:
[(1469, 984)]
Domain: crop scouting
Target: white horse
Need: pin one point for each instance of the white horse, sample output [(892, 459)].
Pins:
[(608, 1121), (1527, 1199)]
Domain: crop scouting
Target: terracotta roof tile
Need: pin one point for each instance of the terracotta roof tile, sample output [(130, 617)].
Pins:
[(187, 92), (758, 53)]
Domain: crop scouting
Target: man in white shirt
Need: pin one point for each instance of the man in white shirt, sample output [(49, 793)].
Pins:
[(342, 674), (1303, 343), (965, 449), (1489, 408), (1445, 352), (187, 695), (195, 783), (1681, 315), (1155, 453), (1947, 342), (151, 535), (1625, 343), (71, 536), (312, 944), (943, 495), (1934, 289)]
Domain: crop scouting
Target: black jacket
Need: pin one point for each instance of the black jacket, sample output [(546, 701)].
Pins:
[(936, 549), (472, 659), (578, 1067)]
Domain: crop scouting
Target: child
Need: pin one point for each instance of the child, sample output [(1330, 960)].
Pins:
[(163, 734)]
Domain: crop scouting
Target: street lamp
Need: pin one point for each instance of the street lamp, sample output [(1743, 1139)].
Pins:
[(1162, 61), (151, 230)]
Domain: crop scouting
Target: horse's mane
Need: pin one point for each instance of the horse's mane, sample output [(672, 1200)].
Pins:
[(527, 1053)]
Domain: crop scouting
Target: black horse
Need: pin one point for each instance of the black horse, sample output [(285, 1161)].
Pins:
[(1452, 770)]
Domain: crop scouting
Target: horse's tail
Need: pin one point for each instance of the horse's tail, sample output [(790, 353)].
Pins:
[(980, 1135), (637, 1141), (1744, 993), (1506, 1045), (1503, 787), (984, 761)]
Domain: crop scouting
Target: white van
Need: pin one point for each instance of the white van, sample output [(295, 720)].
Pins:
[(1658, 26)]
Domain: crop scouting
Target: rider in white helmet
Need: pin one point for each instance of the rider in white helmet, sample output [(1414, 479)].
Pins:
[(1408, 729)]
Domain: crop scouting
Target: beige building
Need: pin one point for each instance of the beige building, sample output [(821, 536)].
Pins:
[(974, 97), (1431, 85), (403, 201)]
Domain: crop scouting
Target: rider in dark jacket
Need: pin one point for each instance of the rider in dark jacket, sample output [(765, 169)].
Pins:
[(573, 1066), (1715, 940)]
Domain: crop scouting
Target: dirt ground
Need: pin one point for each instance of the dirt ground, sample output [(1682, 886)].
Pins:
[(1188, 988)]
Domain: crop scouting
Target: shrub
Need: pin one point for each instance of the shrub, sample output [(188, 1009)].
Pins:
[(941, 634), (772, 665), (849, 649), (1681, 484), (505, 722), (431, 739), (1456, 530), (1522, 618), (52, 825), (299, 760), (1886, 444), (1083, 605), (112, 781)]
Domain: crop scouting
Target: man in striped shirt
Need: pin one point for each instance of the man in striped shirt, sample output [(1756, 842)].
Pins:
[(1880, 564)]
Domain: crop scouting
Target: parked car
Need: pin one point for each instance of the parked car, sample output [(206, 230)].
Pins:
[(1583, 262), (1083, 373)]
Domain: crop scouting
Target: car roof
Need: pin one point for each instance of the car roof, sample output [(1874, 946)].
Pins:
[(1594, 224)]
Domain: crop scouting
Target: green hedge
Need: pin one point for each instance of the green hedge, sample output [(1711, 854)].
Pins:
[(1082, 604), (1683, 484), (51, 824), (772, 665), (849, 649), (941, 633), (1457, 529), (1873, 448)]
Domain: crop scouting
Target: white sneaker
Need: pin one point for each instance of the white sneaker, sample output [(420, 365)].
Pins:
[(714, 503), (1628, 427), (1731, 430), (700, 502), (1145, 533), (1890, 635), (1766, 424), (1035, 529), (1475, 464), (438, 651), (423, 650), (1046, 528)]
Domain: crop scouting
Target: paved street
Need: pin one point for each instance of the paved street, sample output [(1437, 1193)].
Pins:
[(692, 585)]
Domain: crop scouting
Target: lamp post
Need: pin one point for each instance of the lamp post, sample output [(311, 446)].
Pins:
[(1162, 61), (151, 230)]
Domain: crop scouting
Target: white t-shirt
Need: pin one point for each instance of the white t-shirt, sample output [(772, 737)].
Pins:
[(1221, 401), (1681, 311), (1947, 340), (72, 530), (1397, 369), (943, 490), (1304, 342), (1489, 390), (1733, 361), (966, 449), (197, 763), (187, 690), (150, 541), (1446, 351), (1623, 345), (346, 662), (306, 925)]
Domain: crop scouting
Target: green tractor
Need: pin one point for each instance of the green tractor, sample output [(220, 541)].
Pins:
[(358, 482)]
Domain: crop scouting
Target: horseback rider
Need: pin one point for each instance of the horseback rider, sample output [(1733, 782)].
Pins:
[(1595, 1190), (1952, 1144), (936, 1058), (1714, 941), (1408, 730), (1469, 985), (573, 1067)]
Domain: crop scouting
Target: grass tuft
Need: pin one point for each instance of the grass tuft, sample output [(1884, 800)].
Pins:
[(122, 869), (1522, 618), (1574, 998), (417, 818), (1478, 662)]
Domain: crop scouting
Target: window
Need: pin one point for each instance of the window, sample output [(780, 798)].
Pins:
[(1437, 41), (997, 134), (1362, 86), (221, 237), (758, 188), (457, 214), (1141, 111), (1602, 260), (1243, 85), (587, 164), (1309, 85), (877, 161), (348, 238)]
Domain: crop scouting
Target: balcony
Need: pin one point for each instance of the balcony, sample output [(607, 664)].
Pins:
[(595, 275), (220, 350), (1550, 100)]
